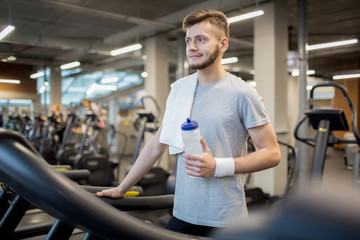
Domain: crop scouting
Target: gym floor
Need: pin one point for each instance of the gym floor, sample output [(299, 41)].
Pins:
[(336, 174)]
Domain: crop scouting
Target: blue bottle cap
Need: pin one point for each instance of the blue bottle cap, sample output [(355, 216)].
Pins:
[(189, 125)]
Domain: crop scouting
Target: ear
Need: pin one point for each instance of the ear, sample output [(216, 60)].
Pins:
[(224, 44)]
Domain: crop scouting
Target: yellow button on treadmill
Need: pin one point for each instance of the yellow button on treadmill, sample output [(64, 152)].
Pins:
[(131, 193)]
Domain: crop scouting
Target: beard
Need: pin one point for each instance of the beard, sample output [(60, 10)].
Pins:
[(214, 55)]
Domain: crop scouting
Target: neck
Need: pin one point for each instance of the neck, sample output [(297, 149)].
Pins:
[(211, 74)]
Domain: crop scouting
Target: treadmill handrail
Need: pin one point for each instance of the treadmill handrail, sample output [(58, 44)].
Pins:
[(308, 141), (347, 97), (63, 199)]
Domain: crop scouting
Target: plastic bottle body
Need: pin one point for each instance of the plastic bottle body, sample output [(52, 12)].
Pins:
[(191, 139)]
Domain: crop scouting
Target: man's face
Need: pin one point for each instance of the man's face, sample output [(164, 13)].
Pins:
[(202, 45)]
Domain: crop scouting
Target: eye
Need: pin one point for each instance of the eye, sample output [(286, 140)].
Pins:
[(187, 41), (201, 39)]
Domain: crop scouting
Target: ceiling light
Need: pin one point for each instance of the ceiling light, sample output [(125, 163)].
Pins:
[(13, 81), (42, 88), (126, 49), (109, 80), (296, 73), (245, 16), (106, 87), (6, 31), (229, 60), (355, 75), (11, 58), (70, 65), (95, 86), (330, 44), (91, 89), (37, 75), (144, 74)]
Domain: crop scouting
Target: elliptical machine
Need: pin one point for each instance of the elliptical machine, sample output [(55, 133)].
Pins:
[(325, 121), (155, 181), (97, 160), (67, 150), (49, 144)]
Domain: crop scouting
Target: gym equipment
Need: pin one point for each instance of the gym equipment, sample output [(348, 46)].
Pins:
[(306, 218), (102, 173), (14, 123), (49, 144), (141, 123), (97, 160), (69, 203), (20, 123), (36, 132), (17, 218), (67, 148), (325, 121), (154, 182)]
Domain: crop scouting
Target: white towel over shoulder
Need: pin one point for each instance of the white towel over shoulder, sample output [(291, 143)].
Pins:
[(178, 108)]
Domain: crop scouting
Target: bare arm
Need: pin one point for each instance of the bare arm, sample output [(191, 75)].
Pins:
[(268, 155), (146, 160)]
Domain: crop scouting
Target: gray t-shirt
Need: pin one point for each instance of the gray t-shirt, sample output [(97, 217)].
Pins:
[(224, 111)]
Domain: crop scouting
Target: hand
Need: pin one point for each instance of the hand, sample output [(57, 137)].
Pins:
[(113, 193), (200, 165)]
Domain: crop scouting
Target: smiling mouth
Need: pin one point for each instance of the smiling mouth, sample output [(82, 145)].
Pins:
[(195, 56)]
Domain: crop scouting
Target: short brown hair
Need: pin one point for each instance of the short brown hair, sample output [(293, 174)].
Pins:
[(214, 17)]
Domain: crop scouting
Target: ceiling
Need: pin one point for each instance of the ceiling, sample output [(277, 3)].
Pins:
[(54, 32)]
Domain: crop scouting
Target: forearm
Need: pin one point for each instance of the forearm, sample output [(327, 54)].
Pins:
[(262, 159), (268, 154), (146, 160)]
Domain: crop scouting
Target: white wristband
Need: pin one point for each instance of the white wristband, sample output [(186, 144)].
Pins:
[(224, 167)]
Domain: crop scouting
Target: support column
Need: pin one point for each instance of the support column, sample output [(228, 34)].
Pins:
[(157, 66), (157, 82), (304, 151), (270, 65), (55, 87), (113, 111)]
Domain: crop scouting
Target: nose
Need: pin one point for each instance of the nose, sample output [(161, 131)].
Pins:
[(191, 46)]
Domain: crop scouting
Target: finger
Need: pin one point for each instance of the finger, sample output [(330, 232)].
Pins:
[(190, 162), (192, 168), (103, 193), (192, 173), (109, 193), (192, 157), (204, 144)]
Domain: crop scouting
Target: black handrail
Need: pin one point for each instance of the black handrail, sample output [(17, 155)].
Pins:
[(310, 141), (32, 178), (347, 97)]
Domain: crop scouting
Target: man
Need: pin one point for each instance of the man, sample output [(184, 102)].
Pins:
[(228, 111)]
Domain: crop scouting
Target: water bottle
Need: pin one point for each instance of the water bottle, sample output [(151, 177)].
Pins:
[(191, 137)]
